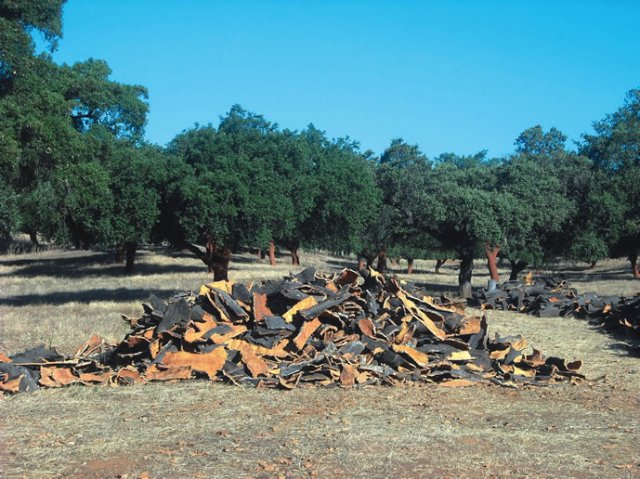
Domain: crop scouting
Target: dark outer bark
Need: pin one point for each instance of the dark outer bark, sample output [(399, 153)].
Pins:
[(295, 258), (220, 263), (593, 264), (464, 276), (215, 256), (409, 265), (272, 253), (516, 269), (33, 236), (370, 260), (492, 255), (381, 267), (130, 256), (439, 263), (218, 258), (119, 256)]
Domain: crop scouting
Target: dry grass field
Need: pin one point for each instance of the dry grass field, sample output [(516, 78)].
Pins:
[(205, 429)]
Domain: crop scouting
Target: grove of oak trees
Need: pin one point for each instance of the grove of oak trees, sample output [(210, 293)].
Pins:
[(75, 169)]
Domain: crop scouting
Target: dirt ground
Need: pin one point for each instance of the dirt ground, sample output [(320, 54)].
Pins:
[(206, 429)]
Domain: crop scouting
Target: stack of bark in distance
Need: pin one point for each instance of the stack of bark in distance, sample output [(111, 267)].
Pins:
[(549, 297), (307, 329)]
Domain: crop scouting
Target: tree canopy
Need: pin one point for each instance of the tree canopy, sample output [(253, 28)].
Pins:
[(75, 169)]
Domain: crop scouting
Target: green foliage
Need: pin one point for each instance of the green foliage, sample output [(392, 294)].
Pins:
[(251, 183), (42, 15), (93, 99), (86, 203), (74, 168), (589, 247), (347, 198), (18, 19), (8, 215), (615, 151), (537, 143), (617, 140), (536, 209), (400, 173), (57, 131), (135, 178)]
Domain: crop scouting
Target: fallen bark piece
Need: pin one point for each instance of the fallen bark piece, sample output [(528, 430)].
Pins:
[(127, 376), (253, 362), (348, 375), (157, 372), (308, 328), (207, 363), (95, 378), (306, 303), (57, 377), (260, 308)]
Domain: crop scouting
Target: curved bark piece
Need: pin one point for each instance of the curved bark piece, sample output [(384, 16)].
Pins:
[(348, 375), (307, 329), (207, 363), (306, 303)]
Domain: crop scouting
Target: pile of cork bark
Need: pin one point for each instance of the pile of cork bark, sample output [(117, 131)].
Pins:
[(347, 329), (548, 297)]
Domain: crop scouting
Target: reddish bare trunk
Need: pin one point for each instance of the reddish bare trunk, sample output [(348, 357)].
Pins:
[(272, 253), (492, 255), (259, 253), (409, 266), (634, 267)]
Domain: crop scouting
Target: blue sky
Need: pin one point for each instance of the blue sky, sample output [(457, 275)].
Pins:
[(451, 76)]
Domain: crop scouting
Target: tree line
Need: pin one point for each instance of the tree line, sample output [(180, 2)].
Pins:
[(75, 169)]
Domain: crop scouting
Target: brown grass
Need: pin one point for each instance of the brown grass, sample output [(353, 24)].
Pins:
[(203, 429)]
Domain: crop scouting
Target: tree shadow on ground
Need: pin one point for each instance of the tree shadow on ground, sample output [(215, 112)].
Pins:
[(241, 257), (79, 270), (614, 275), (435, 289), (627, 347), (118, 295), (97, 264), (82, 259)]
